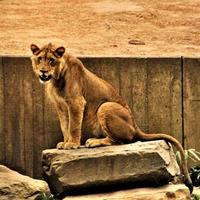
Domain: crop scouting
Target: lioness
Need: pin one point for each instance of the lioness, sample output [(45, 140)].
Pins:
[(90, 110)]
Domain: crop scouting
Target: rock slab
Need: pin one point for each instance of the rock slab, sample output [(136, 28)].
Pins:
[(142, 163), (16, 186), (167, 192)]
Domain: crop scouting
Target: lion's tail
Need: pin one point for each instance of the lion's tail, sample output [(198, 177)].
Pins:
[(157, 136)]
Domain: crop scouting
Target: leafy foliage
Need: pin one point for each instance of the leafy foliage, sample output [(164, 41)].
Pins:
[(192, 154), (196, 197), (189, 154), (46, 196), (195, 175)]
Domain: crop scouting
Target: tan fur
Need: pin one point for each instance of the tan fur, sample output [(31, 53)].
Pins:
[(90, 110)]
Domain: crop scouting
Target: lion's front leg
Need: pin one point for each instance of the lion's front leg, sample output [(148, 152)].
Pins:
[(76, 108), (63, 115), (64, 124)]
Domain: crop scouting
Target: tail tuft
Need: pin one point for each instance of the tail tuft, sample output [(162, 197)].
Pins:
[(189, 185)]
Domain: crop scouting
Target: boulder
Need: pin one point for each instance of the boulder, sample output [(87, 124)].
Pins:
[(16, 186), (167, 192), (130, 165)]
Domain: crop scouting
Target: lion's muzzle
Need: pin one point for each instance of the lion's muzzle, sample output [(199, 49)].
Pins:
[(44, 77)]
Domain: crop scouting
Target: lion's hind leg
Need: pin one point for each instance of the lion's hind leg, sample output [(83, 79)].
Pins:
[(116, 123)]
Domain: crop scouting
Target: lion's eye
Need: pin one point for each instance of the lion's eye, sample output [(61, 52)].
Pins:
[(39, 59), (52, 61)]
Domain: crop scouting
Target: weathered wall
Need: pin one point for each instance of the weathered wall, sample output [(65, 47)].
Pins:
[(153, 87), (191, 102)]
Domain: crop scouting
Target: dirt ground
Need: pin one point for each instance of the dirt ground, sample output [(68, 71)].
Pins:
[(102, 27)]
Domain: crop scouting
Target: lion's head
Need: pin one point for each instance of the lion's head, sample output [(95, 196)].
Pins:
[(47, 61)]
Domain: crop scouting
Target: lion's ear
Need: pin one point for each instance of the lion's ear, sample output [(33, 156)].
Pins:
[(35, 49), (60, 51)]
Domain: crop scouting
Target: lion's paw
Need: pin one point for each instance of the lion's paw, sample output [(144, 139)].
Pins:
[(92, 142), (71, 145), (60, 145)]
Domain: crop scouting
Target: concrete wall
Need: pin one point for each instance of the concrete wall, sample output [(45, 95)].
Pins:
[(163, 93)]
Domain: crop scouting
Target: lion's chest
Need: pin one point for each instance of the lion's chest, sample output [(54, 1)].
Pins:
[(56, 90), (59, 87)]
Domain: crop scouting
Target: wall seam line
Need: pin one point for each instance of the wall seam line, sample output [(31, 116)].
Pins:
[(182, 102)]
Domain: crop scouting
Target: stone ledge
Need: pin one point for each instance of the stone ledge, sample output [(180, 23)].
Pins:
[(144, 163), (167, 192)]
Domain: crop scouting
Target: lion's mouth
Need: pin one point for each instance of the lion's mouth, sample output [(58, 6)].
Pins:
[(45, 78)]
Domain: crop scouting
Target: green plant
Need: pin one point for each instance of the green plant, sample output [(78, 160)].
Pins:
[(189, 154), (196, 197), (46, 196), (195, 175), (192, 154)]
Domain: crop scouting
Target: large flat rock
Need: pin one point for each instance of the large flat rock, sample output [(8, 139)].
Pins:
[(16, 186), (141, 163), (167, 192)]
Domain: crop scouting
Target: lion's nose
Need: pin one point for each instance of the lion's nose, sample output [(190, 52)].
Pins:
[(43, 71)]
